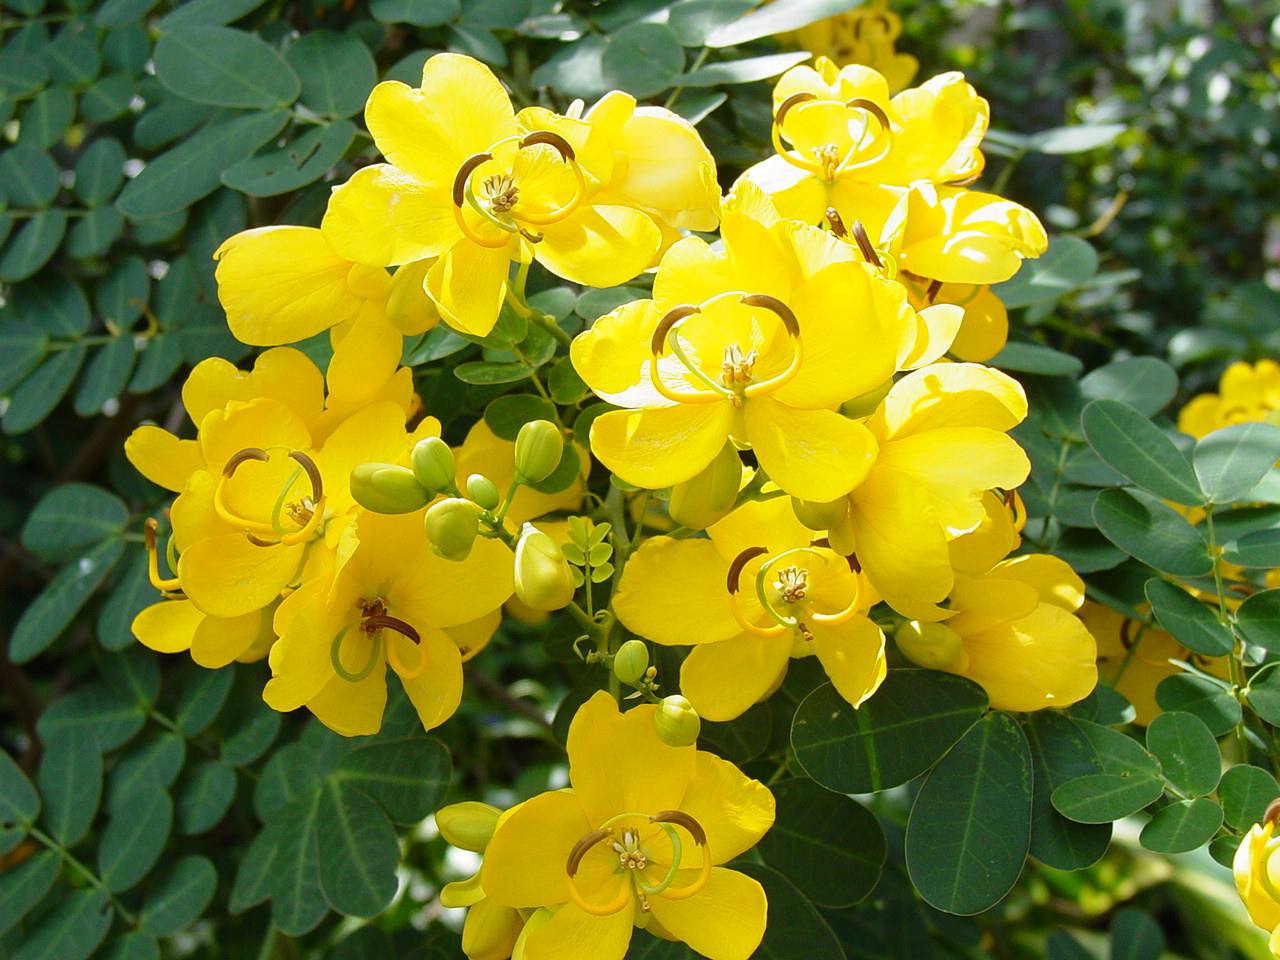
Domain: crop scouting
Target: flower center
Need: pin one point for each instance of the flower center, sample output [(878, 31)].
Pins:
[(501, 192), (630, 855), (307, 511), (736, 366), (827, 157), (792, 582), (372, 623)]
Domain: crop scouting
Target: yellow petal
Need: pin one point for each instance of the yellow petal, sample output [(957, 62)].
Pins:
[(220, 640), (811, 454), (374, 434), (598, 245), (673, 592), (262, 423), (797, 194), (300, 660), (734, 810), (437, 692), (1053, 579), (472, 637), (468, 284), (162, 458), (227, 576), (283, 374), (612, 357), (723, 680), (939, 325), (661, 447), (575, 935), (691, 272), (383, 216), (852, 653), (952, 395), (167, 626), (409, 308), (366, 353), (353, 709), (524, 863), (724, 921)]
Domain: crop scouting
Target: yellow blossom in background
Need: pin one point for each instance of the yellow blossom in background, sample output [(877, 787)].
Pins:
[(864, 35), (1257, 875), (1247, 393), (636, 842)]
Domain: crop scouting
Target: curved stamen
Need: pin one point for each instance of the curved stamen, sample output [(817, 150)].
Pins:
[(571, 869), (665, 334), (762, 577), (551, 139), (461, 189), (776, 306), (581, 847), (276, 523), (886, 133), (852, 558), (153, 560), (461, 178), (700, 838), (248, 453), (777, 630), (561, 145), (677, 854), (313, 474), (793, 328), (797, 98), (469, 195), (795, 159), (335, 655), (740, 561), (669, 320), (381, 621), (864, 245), (222, 510), (1273, 811), (837, 225)]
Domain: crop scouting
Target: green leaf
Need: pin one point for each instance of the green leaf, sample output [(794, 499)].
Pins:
[(566, 472), (747, 70), (257, 868), (37, 395), (1033, 358), (73, 55), (70, 931), (1135, 935), (135, 837), (1259, 550), (182, 175), (138, 945), (100, 171), (135, 673), (1075, 139), (24, 886), (482, 371), (1191, 622), (1200, 697), (828, 845), (21, 350), (642, 59), (1061, 751), (61, 599), (45, 122), (1181, 827), (107, 376), (19, 802), (1104, 797), (22, 74), (358, 852), (303, 161), (252, 732), (297, 902), (130, 595), (507, 414), (70, 779), (1231, 461), (92, 712), (31, 247), (337, 72), (108, 98), (777, 18), (913, 719), (794, 930), (95, 232), (421, 13), (739, 740), (56, 304), (1187, 752), (154, 763), (1066, 265), (1134, 447), (28, 176), (215, 12), (1144, 383), (694, 20), (117, 13), (566, 387), (1258, 620), (1263, 694), (408, 778), (1245, 792), (202, 697), (204, 796), (179, 897), (70, 518), (224, 68), (1146, 528), (1120, 755), (970, 825)]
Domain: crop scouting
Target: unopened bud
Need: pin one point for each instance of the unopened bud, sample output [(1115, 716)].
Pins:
[(539, 447), (432, 463), (543, 578), (452, 526), (386, 488), (492, 930), (820, 516), (700, 502), (631, 661), (676, 722), (933, 645), (483, 492), (468, 825), (865, 405), (462, 893)]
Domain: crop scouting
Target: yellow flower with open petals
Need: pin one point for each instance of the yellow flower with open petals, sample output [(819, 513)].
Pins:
[(751, 596), (1256, 870), (637, 841)]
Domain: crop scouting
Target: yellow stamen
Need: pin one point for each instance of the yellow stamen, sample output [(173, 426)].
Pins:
[(153, 560)]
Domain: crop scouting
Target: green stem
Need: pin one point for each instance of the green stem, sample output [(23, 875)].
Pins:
[(506, 503), (1233, 662), (84, 871), (698, 62), (1002, 181), (268, 948), (548, 323)]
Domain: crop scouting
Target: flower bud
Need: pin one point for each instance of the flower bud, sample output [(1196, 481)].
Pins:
[(386, 488), (865, 405), (462, 893), (700, 502), (932, 645), (543, 578), (820, 516), (676, 722), (432, 463), (539, 447), (631, 661), (483, 492), (451, 527), (491, 931), (468, 825)]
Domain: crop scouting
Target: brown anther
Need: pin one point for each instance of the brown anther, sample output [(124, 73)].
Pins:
[(380, 621), (149, 533), (837, 225), (873, 108), (673, 316), (1273, 810), (804, 631), (551, 139), (740, 561), (1243, 589), (1125, 640), (581, 847), (683, 819), (864, 245), (792, 101), (776, 306), (248, 453), (1009, 498), (934, 287), (531, 237), (260, 543), (464, 171), (313, 473)]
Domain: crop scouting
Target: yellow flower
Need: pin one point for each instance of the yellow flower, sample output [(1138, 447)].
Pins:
[(984, 328), (1019, 638), (637, 841), (750, 597), (863, 35), (1257, 875), (1246, 394), (468, 183)]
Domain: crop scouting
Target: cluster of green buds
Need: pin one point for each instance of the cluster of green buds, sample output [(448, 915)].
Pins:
[(676, 722)]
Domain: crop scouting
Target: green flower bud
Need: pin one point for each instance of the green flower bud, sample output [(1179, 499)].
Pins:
[(631, 661), (539, 447), (543, 578), (700, 502), (386, 488), (676, 722), (468, 825), (432, 463), (820, 516), (865, 405), (451, 527), (932, 645), (483, 492)]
